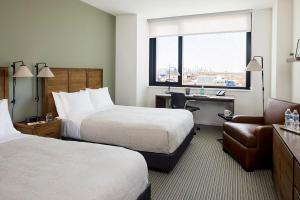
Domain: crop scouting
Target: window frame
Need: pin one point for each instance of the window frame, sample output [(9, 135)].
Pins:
[(152, 66)]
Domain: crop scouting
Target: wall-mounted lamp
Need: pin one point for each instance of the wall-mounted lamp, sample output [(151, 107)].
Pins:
[(255, 66), (295, 56), (21, 72), (45, 72)]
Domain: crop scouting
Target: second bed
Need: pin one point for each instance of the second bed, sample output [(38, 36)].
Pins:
[(161, 135)]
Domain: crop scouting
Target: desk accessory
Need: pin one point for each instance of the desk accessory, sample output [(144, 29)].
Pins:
[(290, 129), (227, 113), (187, 91), (221, 93), (21, 72)]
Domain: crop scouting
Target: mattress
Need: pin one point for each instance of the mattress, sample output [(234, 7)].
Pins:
[(156, 130), (35, 168)]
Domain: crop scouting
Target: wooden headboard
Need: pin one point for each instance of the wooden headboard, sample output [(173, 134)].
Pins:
[(69, 80), (3, 82)]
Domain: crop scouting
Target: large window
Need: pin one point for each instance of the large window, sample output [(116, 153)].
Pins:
[(215, 60)]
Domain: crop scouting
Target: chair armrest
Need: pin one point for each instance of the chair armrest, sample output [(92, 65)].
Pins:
[(264, 135), (188, 101), (248, 119)]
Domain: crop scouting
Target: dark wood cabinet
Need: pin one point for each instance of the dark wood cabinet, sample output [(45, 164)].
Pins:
[(286, 168)]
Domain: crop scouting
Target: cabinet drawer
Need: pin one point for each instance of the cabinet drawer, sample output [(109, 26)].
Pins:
[(296, 194), (48, 131), (297, 175)]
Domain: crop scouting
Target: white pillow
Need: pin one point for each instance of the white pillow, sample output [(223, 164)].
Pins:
[(76, 103), (59, 104), (100, 97), (6, 126)]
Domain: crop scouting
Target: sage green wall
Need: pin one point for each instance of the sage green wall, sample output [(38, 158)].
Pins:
[(63, 33)]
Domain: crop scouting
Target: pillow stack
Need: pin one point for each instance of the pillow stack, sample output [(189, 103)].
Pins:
[(82, 102)]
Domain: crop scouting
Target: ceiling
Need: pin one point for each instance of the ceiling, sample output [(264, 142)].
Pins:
[(169, 8)]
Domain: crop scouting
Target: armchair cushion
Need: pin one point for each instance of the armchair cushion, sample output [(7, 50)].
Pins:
[(242, 132)]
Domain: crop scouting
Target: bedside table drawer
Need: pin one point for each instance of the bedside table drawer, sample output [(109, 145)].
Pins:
[(50, 129)]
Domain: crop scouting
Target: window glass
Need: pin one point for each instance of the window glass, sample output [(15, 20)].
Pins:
[(167, 59), (215, 59)]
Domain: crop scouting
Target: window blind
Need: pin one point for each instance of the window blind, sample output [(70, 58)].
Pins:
[(201, 24)]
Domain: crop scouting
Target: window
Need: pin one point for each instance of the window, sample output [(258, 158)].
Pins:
[(216, 60)]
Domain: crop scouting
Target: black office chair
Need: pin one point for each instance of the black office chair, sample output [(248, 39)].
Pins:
[(179, 101)]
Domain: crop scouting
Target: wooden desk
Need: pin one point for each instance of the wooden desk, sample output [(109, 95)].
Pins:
[(161, 99), (286, 168)]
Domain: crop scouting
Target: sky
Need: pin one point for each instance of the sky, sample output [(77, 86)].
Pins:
[(219, 52)]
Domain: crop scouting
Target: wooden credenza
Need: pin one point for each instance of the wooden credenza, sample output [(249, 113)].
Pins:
[(286, 168)]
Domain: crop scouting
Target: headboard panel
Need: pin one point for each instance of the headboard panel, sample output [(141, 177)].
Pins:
[(69, 80), (3, 82)]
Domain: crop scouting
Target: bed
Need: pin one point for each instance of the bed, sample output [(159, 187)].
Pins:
[(35, 168), (160, 135)]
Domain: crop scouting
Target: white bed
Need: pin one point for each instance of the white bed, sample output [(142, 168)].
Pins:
[(160, 134), (155, 130), (36, 168)]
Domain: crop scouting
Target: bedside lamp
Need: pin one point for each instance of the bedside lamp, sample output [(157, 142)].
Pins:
[(255, 66), (45, 72), (21, 72)]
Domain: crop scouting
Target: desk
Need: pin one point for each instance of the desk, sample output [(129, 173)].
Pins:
[(161, 99)]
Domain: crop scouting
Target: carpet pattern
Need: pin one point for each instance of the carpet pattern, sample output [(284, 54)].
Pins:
[(206, 172)]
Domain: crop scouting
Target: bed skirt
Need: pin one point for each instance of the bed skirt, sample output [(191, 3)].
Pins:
[(166, 162), (158, 161), (146, 195)]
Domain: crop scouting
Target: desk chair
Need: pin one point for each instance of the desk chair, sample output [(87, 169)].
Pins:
[(179, 101)]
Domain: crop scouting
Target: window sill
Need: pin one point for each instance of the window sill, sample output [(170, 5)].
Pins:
[(193, 89)]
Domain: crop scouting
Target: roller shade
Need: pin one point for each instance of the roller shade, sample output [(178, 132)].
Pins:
[(200, 24)]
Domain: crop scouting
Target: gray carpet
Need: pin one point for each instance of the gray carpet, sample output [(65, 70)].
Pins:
[(206, 172)]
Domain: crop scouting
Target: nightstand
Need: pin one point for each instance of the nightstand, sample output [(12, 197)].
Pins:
[(48, 129)]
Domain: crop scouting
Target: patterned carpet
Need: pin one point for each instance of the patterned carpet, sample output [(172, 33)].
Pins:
[(206, 172)]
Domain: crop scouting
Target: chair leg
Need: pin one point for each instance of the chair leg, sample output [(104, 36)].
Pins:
[(196, 128)]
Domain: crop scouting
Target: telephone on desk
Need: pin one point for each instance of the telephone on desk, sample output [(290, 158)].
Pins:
[(221, 93)]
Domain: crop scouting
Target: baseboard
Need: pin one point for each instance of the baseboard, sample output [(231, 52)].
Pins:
[(208, 123)]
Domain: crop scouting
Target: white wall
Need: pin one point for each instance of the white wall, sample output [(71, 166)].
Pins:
[(132, 50), (126, 60), (296, 65), (282, 46), (143, 60)]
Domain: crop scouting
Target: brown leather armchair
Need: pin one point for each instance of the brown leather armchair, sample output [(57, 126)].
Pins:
[(248, 139)]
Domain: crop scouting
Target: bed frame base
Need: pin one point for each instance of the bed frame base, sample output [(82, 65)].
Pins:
[(166, 162), (146, 195), (158, 161)]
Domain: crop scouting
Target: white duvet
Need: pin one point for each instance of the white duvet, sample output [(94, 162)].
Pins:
[(35, 168), (156, 130)]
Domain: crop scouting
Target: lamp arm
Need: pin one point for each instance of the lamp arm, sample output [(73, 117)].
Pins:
[(262, 78), (297, 48), (13, 101), (37, 97)]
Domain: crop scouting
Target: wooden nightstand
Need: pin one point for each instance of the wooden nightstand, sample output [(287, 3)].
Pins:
[(49, 129)]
